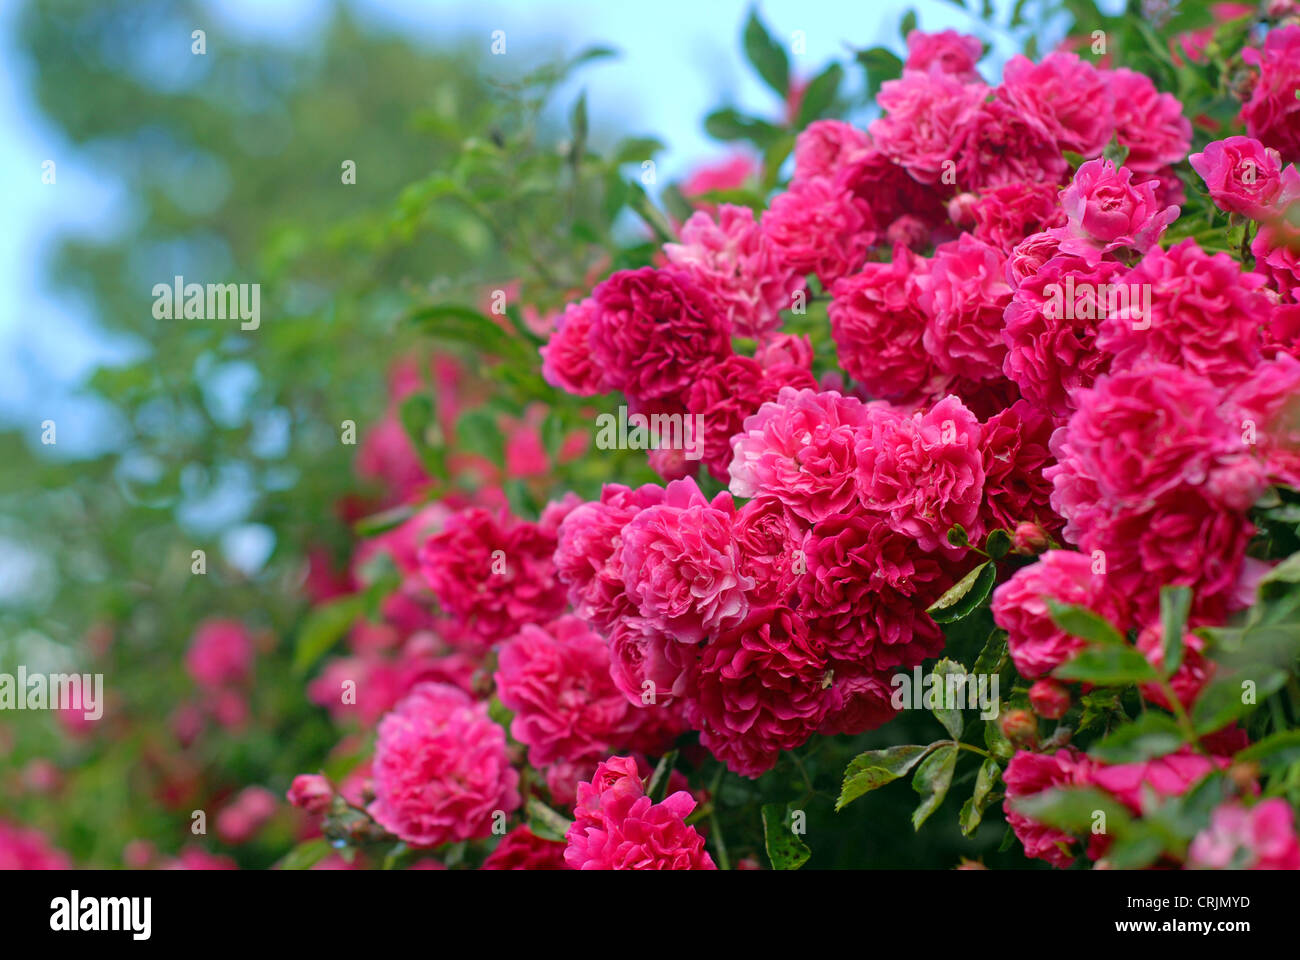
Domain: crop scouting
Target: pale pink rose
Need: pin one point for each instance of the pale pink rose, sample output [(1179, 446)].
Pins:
[(1262, 837)]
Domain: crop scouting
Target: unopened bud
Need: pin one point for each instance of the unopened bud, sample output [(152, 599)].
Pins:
[(1020, 727), (1050, 699), (1029, 539), (310, 792)]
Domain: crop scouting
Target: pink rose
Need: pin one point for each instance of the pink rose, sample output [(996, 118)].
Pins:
[(1262, 837), (1007, 214), (1206, 315), (818, 226), (947, 52), (440, 769), (1015, 452), (681, 564), (617, 827), (825, 146), (735, 264), (800, 449), (1107, 211), (1272, 114), (1168, 776), (923, 473), (1003, 144), (771, 540), (1038, 646), (310, 792), (924, 115), (1069, 96), (964, 294), (759, 691), (521, 849), (567, 359), (22, 848), (877, 326), (1032, 773), (1151, 124), (654, 330), (1242, 175), (220, 654)]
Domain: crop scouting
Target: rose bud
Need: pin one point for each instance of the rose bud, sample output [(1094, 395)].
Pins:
[(1050, 699), (1020, 727), (1029, 539), (310, 792)]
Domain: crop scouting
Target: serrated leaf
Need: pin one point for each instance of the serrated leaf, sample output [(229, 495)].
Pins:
[(875, 768), (766, 55), (967, 594), (972, 811), (951, 718), (1175, 604), (1082, 623), (932, 780), (785, 850), (324, 627), (1107, 666), (1150, 735)]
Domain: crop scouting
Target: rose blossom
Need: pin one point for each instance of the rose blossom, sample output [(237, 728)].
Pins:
[(866, 589), (947, 52), (923, 473), (493, 573), (1069, 96), (964, 293), (1192, 674), (1272, 114), (1151, 124), (589, 555), (220, 654), (858, 700), (1003, 144), (759, 691), (735, 264), (1242, 175), (1037, 645), (1168, 776), (877, 327), (310, 792), (1050, 328), (641, 654), (567, 358), (22, 848), (924, 114), (824, 146), (800, 449), (681, 564), (770, 536), (440, 769), (1262, 837), (1005, 215), (818, 226), (1266, 407), (521, 849), (1029, 255), (1015, 453), (1031, 773), (654, 330), (1205, 315), (1107, 211), (617, 827)]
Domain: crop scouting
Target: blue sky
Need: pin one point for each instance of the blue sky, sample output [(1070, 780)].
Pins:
[(679, 59)]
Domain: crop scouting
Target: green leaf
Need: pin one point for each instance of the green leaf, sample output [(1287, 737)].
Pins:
[(1073, 809), (972, 811), (322, 628), (932, 780), (383, 521), (951, 719), (881, 65), (784, 848), (766, 55), (820, 94), (1107, 666), (965, 596), (1150, 735), (1275, 752), (417, 416), (907, 24), (1082, 623), (875, 768), (1175, 604), (1223, 699), (545, 822), (993, 657), (578, 122), (477, 432), (957, 536), (731, 124), (306, 855), (463, 325), (657, 788)]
